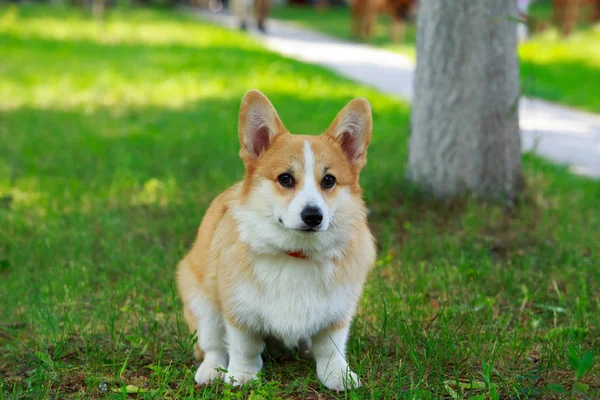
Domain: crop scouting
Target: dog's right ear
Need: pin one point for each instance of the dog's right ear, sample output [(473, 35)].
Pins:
[(352, 130), (258, 125)]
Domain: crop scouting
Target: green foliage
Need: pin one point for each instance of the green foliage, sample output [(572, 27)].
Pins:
[(563, 70), (113, 142), (581, 365)]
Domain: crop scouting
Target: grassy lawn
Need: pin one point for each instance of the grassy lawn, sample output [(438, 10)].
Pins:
[(115, 139), (563, 70)]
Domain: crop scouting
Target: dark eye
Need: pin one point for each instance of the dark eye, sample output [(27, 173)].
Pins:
[(328, 182), (286, 180)]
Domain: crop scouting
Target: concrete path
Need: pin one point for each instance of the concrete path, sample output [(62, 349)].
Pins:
[(558, 133)]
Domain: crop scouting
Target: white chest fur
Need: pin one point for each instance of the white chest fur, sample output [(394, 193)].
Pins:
[(292, 299)]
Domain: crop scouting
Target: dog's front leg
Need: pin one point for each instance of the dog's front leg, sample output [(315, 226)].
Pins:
[(245, 361), (329, 350), (398, 29)]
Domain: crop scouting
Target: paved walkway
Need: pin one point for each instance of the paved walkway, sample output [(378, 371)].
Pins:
[(558, 133)]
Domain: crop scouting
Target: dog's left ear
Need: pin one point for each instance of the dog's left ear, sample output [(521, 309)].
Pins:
[(258, 125), (352, 129)]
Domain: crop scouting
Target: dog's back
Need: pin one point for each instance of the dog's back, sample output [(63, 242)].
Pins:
[(396, 8), (399, 9)]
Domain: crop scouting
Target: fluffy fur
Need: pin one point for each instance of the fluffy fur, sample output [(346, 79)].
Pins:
[(239, 283)]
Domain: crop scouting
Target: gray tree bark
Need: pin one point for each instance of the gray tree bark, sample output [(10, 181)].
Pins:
[(465, 128)]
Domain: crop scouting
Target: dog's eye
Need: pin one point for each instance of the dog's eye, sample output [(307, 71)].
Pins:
[(328, 181), (286, 180)]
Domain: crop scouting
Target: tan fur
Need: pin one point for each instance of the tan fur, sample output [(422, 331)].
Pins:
[(366, 12), (219, 259)]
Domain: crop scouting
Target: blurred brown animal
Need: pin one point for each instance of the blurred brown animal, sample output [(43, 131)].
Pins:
[(566, 13), (365, 13)]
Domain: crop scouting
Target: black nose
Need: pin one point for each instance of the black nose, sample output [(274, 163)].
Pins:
[(312, 216)]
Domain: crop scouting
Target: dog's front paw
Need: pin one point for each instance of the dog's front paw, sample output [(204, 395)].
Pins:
[(208, 372), (339, 380), (238, 378)]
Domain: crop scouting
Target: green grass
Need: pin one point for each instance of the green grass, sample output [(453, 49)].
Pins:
[(563, 70), (115, 140)]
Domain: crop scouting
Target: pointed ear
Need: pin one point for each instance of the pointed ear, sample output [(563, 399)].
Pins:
[(352, 129), (258, 125)]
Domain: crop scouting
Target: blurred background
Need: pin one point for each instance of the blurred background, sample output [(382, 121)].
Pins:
[(118, 126)]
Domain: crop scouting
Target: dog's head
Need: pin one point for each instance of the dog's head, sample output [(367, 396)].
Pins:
[(301, 192)]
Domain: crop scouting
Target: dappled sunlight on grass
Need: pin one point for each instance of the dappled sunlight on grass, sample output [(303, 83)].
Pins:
[(110, 153), (128, 63), (121, 26), (109, 89), (550, 47), (132, 70), (101, 100)]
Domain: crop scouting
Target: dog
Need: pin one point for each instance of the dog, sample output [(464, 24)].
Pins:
[(365, 13), (241, 9), (285, 252)]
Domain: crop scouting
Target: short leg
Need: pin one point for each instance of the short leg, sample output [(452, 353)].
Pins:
[(369, 21), (356, 26), (245, 361), (262, 10), (240, 9), (211, 341), (397, 30), (329, 350), (357, 18), (192, 322)]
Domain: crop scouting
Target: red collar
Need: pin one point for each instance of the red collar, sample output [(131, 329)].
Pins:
[(297, 254)]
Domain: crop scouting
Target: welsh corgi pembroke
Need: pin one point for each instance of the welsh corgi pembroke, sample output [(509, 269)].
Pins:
[(285, 252)]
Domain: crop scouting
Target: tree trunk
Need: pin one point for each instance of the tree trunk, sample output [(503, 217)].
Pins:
[(465, 128)]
